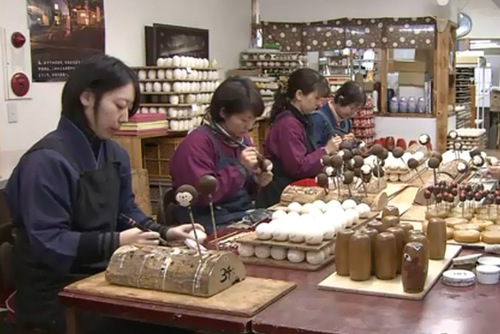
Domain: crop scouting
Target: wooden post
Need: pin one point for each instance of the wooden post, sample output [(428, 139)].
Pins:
[(472, 89), (383, 82), (441, 87)]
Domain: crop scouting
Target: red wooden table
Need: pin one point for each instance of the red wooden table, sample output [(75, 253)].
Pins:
[(309, 310)]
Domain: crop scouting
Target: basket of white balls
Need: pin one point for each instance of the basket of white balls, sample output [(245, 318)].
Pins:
[(302, 236)]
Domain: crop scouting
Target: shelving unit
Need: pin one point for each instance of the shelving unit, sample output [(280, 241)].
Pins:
[(272, 62), (363, 123), (181, 93)]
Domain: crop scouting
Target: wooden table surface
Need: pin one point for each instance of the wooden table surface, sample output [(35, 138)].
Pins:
[(309, 310)]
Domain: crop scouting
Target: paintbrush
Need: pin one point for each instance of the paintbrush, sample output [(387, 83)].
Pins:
[(133, 223)]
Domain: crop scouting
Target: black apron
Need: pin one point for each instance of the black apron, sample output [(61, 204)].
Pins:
[(95, 209), (271, 194), (230, 209)]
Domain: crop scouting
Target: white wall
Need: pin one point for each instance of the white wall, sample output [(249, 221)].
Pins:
[(317, 10), (227, 20), (485, 18)]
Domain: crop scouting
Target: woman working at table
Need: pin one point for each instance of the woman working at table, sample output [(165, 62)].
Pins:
[(334, 117), (290, 143), (70, 196), (222, 148)]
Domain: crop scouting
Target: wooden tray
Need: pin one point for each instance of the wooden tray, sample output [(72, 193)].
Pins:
[(404, 200), (390, 288), (244, 299), (269, 262), (251, 239), (415, 213)]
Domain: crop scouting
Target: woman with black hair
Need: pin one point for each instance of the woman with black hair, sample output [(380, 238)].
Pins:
[(70, 196), (290, 143), (222, 148), (334, 117)]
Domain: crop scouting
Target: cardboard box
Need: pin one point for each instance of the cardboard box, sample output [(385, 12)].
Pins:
[(409, 66), (411, 79)]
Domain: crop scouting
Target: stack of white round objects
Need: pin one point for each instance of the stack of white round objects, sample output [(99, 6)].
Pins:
[(311, 223), (182, 61)]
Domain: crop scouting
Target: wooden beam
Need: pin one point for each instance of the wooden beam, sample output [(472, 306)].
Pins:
[(441, 86), (383, 81)]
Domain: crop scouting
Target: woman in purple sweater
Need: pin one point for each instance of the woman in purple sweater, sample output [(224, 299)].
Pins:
[(290, 144), (224, 150)]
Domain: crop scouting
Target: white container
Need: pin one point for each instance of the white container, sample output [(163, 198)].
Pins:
[(488, 274), (489, 261)]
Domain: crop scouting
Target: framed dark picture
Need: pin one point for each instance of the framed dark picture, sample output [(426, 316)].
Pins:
[(166, 41)]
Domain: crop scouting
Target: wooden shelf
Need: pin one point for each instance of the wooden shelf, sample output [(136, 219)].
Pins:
[(405, 115)]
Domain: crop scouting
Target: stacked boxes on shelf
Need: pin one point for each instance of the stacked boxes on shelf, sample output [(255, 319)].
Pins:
[(363, 123)]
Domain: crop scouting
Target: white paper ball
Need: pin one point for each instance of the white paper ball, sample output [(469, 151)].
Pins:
[(280, 233), (278, 253), (262, 251), (245, 250), (296, 234), (315, 257), (320, 205), (291, 216), (363, 210), (294, 207), (306, 208), (313, 237), (264, 231), (316, 213), (329, 230), (333, 205), (295, 255), (278, 214), (354, 215), (349, 204)]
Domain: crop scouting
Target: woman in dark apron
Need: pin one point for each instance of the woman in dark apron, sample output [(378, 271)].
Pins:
[(334, 118), (70, 196), (222, 148), (290, 143)]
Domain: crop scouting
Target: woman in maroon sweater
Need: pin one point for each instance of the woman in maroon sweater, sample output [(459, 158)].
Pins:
[(290, 144)]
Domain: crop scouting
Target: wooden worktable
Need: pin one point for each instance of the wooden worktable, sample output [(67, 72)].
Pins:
[(309, 310)]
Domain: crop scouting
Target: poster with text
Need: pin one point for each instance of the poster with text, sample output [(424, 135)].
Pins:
[(63, 33)]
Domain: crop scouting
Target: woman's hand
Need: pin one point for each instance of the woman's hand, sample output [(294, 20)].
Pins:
[(136, 236), (248, 158), (263, 179), (181, 232), (333, 144), (349, 137)]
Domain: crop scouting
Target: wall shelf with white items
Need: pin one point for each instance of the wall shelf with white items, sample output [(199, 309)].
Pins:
[(272, 62), (180, 87)]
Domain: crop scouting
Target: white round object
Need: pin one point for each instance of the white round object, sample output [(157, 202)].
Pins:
[(246, 250), (313, 237), (264, 231), (168, 62), (157, 87), (353, 213), (176, 61), (329, 230), (142, 75), (315, 213), (278, 214), (152, 74), (295, 255), (280, 232), (278, 253), (141, 87), (320, 205), (161, 74), (333, 204), (419, 156), (363, 210), (349, 204), (148, 87), (326, 251), (458, 277), (166, 87), (294, 207), (169, 74), (349, 220), (489, 261), (293, 216), (488, 274), (262, 251), (306, 208), (295, 233), (315, 257)]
